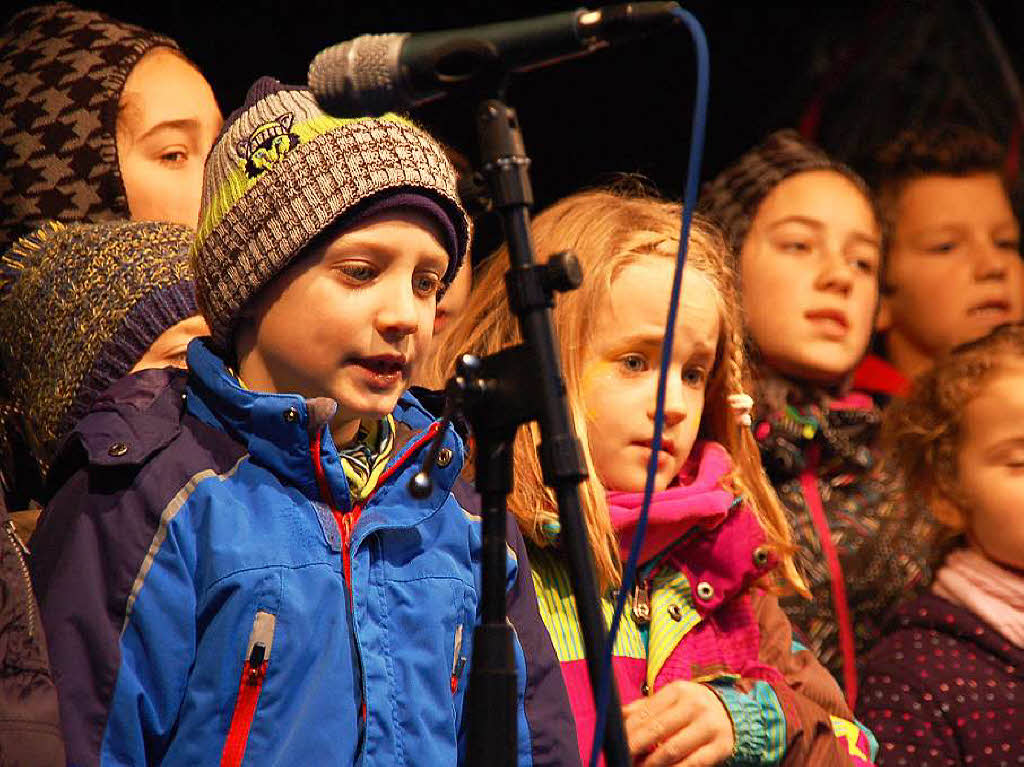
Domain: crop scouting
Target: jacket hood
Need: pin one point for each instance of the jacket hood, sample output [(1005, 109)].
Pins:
[(63, 70)]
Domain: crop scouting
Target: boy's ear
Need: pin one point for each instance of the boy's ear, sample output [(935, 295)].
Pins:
[(883, 320), (948, 512)]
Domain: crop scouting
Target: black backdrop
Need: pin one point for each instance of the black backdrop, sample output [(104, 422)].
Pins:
[(625, 109)]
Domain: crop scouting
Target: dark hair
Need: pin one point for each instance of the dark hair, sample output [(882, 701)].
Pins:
[(946, 150)]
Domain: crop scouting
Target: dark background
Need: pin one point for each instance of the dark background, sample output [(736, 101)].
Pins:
[(625, 109)]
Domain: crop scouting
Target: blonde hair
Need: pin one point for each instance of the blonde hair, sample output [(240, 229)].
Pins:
[(609, 229)]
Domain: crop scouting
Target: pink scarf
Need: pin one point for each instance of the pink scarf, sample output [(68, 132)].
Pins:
[(993, 593), (698, 500)]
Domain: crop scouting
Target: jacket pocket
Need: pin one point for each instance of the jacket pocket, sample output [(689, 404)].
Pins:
[(254, 671)]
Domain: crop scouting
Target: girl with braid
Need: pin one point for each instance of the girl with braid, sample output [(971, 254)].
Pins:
[(704, 656), (806, 241)]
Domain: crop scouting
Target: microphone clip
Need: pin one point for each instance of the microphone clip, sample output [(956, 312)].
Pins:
[(498, 392)]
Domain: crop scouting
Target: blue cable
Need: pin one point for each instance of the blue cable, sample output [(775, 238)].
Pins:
[(700, 113)]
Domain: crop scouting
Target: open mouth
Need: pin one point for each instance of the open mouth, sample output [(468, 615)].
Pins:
[(382, 371)]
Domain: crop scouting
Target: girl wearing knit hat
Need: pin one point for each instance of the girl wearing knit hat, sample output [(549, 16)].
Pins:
[(99, 120), (80, 307), (236, 569), (807, 244)]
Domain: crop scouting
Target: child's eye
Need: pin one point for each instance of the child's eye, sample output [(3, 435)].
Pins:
[(695, 376), (1008, 244), (173, 157), (941, 248), (634, 363), (864, 265), (426, 284), (795, 246), (357, 272)]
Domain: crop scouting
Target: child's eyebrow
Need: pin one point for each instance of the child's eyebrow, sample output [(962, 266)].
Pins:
[(642, 338), (186, 124), (352, 242), (866, 239), (1003, 445), (796, 219)]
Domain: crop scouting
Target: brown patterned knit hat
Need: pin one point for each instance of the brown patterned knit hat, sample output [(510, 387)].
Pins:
[(733, 197), (62, 71), (283, 171), (79, 306)]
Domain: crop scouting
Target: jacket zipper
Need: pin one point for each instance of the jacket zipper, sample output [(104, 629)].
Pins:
[(809, 483), (254, 672), (22, 553), (346, 521)]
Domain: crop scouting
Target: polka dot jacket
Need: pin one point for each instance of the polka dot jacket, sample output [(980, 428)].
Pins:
[(944, 688)]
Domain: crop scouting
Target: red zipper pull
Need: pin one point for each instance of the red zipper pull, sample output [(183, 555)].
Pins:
[(257, 659)]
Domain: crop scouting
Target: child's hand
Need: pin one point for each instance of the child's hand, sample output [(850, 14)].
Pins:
[(683, 724)]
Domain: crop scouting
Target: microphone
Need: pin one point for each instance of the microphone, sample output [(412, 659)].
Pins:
[(372, 74)]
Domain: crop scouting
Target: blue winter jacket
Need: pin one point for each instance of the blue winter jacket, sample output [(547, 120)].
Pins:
[(191, 572)]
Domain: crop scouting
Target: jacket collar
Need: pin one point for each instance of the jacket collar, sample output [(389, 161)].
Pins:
[(137, 416), (791, 417), (277, 429), (720, 546)]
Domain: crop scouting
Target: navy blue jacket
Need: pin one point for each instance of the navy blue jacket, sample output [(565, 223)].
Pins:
[(192, 577)]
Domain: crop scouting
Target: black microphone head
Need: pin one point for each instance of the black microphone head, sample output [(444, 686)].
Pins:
[(360, 77)]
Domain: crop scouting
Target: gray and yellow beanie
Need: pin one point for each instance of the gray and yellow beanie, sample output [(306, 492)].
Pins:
[(62, 70), (283, 171), (79, 306), (733, 197)]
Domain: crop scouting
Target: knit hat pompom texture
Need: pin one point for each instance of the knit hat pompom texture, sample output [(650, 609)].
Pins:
[(733, 197), (283, 171), (62, 71), (79, 306)]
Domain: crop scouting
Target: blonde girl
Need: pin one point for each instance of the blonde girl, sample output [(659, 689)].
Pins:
[(705, 661)]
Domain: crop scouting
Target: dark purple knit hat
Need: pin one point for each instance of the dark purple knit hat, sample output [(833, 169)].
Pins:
[(79, 306)]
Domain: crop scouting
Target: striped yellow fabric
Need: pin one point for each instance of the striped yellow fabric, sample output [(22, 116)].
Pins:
[(367, 458), (558, 610), (670, 588), (557, 606)]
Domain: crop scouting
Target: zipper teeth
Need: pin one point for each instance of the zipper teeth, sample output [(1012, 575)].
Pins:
[(30, 603)]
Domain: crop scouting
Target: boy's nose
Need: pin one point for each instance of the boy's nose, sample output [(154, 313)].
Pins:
[(398, 317), (990, 262)]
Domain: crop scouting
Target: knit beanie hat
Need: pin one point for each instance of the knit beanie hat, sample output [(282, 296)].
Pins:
[(734, 196), (283, 171), (62, 71), (79, 306)]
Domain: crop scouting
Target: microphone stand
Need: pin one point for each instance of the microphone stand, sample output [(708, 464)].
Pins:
[(499, 393), (526, 383)]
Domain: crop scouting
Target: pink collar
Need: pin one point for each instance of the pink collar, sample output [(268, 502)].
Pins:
[(726, 557), (699, 500), (993, 593)]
